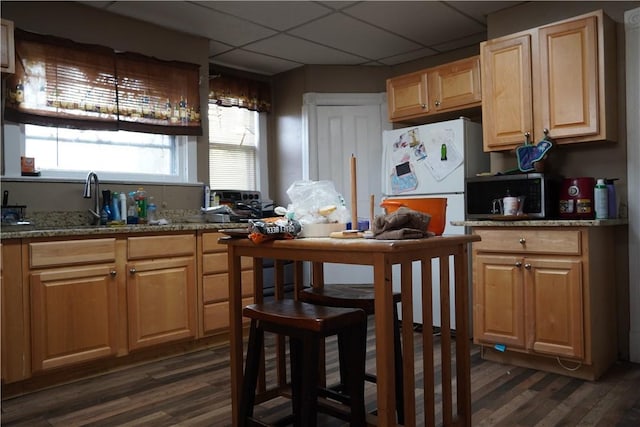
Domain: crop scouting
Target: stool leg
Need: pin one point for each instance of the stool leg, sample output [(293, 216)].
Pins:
[(250, 380), (304, 379), (343, 363), (355, 348), (397, 350)]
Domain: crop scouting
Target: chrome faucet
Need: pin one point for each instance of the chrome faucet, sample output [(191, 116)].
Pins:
[(95, 213)]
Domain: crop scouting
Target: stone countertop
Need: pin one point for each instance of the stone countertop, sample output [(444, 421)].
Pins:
[(542, 223), (31, 232)]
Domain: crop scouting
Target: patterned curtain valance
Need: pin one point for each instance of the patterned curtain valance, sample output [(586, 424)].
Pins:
[(59, 82), (229, 91)]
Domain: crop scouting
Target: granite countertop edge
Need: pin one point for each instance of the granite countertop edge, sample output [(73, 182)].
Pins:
[(11, 232), (542, 223)]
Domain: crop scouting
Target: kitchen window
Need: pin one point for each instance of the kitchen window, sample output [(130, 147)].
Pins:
[(233, 148)]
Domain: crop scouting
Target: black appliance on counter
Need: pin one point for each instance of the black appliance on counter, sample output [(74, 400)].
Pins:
[(540, 191)]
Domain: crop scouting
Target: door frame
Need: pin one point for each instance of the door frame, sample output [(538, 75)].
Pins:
[(310, 103)]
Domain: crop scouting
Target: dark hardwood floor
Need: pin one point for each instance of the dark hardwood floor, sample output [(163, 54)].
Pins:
[(193, 390)]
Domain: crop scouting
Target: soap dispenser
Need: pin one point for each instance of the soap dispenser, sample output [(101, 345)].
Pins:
[(105, 212)]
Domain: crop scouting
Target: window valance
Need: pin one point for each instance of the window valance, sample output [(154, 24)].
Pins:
[(62, 83), (230, 91)]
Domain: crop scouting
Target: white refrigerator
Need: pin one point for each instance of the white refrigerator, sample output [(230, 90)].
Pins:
[(433, 160)]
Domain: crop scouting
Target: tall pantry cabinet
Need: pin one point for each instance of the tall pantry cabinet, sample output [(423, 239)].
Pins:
[(560, 78)]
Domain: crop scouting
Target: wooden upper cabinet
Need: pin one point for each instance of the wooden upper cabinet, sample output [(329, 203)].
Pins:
[(456, 85), (408, 96), (448, 87), (559, 77), (507, 106)]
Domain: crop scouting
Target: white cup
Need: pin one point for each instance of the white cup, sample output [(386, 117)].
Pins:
[(510, 205)]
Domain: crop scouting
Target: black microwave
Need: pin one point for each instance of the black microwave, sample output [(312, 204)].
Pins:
[(540, 191)]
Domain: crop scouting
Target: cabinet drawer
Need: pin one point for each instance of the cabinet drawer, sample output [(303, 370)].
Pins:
[(217, 263), (215, 287), (210, 243), (529, 241), (70, 252), (216, 316), (161, 246)]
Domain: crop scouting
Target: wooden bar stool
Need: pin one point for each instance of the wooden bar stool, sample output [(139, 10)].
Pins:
[(306, 325), (359, 296)]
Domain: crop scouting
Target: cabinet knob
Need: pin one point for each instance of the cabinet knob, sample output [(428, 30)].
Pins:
[(546, 132), (132, 270), (527, 266), (437, 103), (518, 264), (112, 273), (522, 241), (423, 106)]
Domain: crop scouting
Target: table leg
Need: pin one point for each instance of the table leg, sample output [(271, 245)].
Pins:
[(235, 331), (384, 341)]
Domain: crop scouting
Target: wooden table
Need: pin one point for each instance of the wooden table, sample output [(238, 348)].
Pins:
[(381, 254)]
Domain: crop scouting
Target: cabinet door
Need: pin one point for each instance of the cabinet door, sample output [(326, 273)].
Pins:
[(568, 70), (498, 298), (73, 315), (456, 85), (554, 306), (408, 96), (161, 301), (507, 105)]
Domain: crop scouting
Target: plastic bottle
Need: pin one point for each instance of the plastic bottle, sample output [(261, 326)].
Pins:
[(105, 212), (151, 212), (132, 209), (123, 206), (141, 200), (115, 206), (611, 197), (601, 202)]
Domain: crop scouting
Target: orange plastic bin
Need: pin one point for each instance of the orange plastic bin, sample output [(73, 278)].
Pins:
[(434, 206)]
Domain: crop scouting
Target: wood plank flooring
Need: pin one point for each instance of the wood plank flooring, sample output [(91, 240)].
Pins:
[(193, 390)]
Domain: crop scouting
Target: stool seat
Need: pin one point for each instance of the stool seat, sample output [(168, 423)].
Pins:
[(344, 295), (300, 316), (306, 325)]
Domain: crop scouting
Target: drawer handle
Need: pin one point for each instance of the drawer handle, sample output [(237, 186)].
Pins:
[(132, 270), (112, 273), (527, 266), (522, 241), (518, 264)]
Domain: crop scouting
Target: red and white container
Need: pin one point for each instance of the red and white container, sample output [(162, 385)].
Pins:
[(576, 198)]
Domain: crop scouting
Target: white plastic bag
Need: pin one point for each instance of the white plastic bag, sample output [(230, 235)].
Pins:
[(315, 202)]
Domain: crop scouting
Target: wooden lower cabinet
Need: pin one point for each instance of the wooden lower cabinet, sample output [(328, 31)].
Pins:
[(73, 315), (161, 289), (215, 284), (73, 302), (545, 298)]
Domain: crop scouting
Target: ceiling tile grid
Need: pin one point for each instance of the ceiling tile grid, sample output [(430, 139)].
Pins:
[(270, 37)]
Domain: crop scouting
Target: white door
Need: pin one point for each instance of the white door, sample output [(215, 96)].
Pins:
[(339, 126)]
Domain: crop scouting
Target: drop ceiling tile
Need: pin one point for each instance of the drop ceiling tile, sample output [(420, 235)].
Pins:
[(254, 62), (302, 51), (216, 48), (195, 19), (425, 22), (410, 56), (480, 9), (471, 40), (277, 15), (350, 35)]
